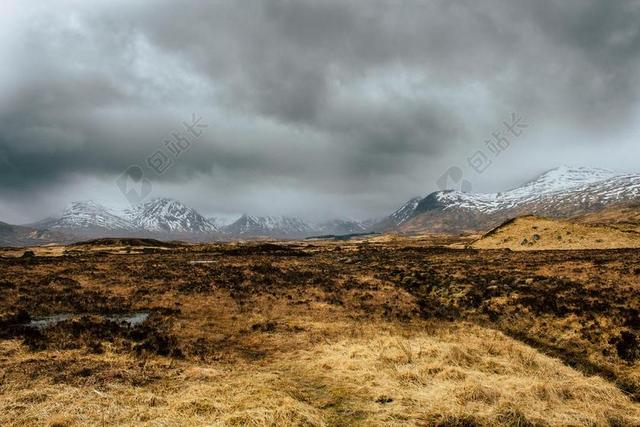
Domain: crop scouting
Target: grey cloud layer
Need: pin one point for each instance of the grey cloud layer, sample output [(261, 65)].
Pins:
[(329, 96)]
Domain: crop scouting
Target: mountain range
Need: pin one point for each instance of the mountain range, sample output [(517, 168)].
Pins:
[(559, 193), (562, 192), (164, 217)]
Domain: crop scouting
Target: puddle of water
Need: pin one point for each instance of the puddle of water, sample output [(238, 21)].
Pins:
[(130, 319), (43, 322)]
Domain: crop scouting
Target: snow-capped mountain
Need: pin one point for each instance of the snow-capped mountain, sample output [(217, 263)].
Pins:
[(563, 178), (405, 212), (273, 226), (556, 181), (87, 216), (169, 216), (561, 192), (156, 216), (397, 218)]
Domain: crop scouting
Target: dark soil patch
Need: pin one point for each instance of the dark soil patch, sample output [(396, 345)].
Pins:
[(133, 242)]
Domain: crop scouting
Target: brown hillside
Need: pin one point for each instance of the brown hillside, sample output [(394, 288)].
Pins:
[(623, 217), (536, 233)]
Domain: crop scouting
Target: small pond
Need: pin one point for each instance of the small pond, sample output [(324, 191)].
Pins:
[(129, 319)]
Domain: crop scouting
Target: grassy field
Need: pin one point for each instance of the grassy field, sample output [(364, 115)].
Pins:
[(530, 233), (383, 332)]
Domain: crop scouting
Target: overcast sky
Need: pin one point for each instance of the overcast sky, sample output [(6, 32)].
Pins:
[(318, 108)]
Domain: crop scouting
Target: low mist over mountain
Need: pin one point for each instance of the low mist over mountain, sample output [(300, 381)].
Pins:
[(248, 226), (87, 217), (399, 217), (163, 217), (562, 192), (343, 226), (16, 235)]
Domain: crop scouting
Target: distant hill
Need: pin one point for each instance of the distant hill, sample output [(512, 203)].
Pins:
[(15, 235), (624, 217), (559, 193), (536, 233)]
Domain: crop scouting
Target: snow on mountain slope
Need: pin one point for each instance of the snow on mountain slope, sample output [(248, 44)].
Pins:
[(248, 225), (405, 212), (169, 216), (164, 215), (560, 192), (558, 183), (563, 178), (87, 215)]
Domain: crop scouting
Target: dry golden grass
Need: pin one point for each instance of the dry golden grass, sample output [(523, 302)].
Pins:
[(369, 374), (336, 337), (535, 233), (624, 217), (461, 374), (49, 250)]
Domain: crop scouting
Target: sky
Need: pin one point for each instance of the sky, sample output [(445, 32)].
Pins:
[(313, 108)]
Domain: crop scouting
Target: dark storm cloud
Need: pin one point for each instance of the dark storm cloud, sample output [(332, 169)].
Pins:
[(280, 57), (328, 95)]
